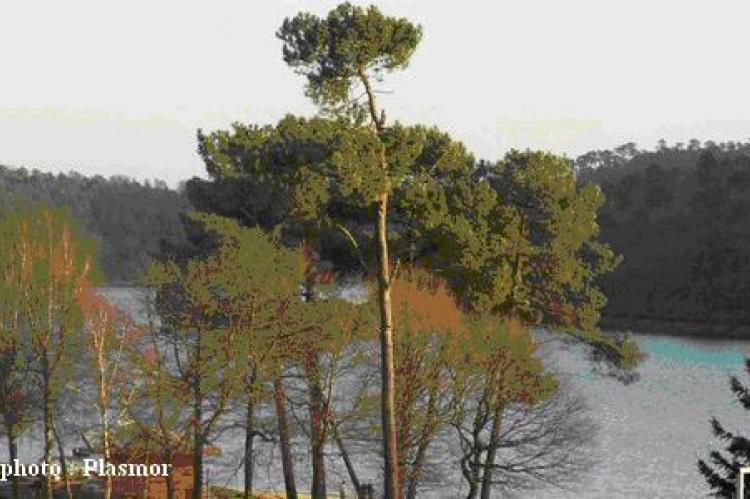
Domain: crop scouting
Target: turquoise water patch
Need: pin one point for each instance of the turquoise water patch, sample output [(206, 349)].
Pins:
[(675, 350), (589, 375)]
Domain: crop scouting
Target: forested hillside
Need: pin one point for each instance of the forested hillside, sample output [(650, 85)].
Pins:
[(128, 218), (680, 216)]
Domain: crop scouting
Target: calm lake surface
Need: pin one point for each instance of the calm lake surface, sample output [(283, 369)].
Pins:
[(651, 432)]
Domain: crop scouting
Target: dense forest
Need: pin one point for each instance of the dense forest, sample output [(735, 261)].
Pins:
[(680, 216), (130, 219)]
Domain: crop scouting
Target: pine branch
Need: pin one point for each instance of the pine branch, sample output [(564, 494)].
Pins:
[(740, 391)]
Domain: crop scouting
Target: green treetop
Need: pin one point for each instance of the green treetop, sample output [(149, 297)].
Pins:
[(350, 46)]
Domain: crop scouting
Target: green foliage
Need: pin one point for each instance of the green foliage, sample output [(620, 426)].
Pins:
[(334, 52), (516, 237), (490, 249), (314, 177), (228, 315), (503, 360), (516, 240), (47, 265), (15, 388), (230, 302), (284, 170), (156, 406), (49, 262), (519, 240)]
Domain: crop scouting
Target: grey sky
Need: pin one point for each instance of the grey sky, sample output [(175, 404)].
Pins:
[(120, 87)]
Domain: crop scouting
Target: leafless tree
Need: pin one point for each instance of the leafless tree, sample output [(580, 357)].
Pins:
[(545, 444)]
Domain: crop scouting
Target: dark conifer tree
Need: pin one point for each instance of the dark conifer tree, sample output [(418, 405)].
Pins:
[(721, 471)]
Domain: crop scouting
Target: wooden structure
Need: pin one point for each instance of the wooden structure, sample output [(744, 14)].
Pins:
[(154, 487)]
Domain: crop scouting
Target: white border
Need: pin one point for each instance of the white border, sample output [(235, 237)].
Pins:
[(740, 488)]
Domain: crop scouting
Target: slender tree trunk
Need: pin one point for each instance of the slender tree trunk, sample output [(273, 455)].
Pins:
[(318, 414), (416, 469), (170, 477), (425, 438), (13, 454), (197, 452), (492, 446), (287, 462), (13, 414), (104, 423), (475, 453), (388, 390), (63, 462), (48, 424), (317, 435), (473, 477), (347, 462), (388, 378), (249, 452), (198, 437), (107, 458)]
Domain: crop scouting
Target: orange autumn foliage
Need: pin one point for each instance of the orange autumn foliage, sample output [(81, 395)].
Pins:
[(429, 328), (422, 302)]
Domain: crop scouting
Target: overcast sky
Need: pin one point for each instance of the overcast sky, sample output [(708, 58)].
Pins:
[(121, 87)]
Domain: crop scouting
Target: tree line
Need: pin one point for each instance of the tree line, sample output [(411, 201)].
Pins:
[(232, 331), (461, 258), (679, 215), (128, 218)]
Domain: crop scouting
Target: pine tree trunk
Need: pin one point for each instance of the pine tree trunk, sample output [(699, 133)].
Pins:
[(388, 377), (287, 461), (492, 446), (249, 452), (388, 390)]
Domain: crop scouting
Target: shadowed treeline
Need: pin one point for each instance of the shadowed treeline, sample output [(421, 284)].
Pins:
[(128, 218), (680, 215)]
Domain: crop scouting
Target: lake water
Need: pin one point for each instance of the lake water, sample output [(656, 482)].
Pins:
[(651, 432)]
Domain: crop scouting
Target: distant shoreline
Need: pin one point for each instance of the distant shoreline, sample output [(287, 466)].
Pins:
[(676, 328), (635, 325)]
